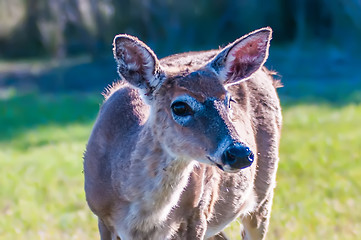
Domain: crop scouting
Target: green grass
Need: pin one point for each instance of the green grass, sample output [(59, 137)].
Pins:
[(42, 139), (319, 175), (318, 186)]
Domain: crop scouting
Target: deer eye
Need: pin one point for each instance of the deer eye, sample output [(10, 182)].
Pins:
[(181, 109)]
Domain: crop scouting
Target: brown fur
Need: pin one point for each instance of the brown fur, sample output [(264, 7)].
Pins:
[(146, 177)]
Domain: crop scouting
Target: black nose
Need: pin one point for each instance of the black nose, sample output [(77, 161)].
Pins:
[(238, 156)]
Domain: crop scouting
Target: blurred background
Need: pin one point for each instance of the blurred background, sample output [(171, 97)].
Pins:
[(56, 59), (66, 44)]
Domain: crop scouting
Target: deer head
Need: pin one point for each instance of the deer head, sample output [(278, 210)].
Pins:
[(191, 111)]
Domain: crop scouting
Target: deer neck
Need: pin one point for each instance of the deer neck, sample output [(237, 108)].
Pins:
[(158, 178)]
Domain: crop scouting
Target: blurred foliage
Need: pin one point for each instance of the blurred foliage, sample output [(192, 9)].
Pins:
[(60, 28)]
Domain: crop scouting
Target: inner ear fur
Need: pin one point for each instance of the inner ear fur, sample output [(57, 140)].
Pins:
[(240, 59), (137, 63)]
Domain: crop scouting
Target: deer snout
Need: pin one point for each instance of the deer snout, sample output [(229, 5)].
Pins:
[(238, 156)]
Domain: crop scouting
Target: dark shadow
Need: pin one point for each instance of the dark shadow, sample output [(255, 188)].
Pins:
[(59, 93), (306, 78), (80, 74), (21, 113), (316, 75)]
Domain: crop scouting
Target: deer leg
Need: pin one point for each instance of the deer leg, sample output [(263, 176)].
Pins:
[(197, 229), (105, 234), (219, 236), (194, 228), (256, 223)]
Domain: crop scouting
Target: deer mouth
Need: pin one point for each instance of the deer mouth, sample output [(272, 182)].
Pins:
[(235, 158), (215, 163)]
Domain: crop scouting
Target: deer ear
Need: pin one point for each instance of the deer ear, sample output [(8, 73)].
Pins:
[(240, 59), (137, 64)]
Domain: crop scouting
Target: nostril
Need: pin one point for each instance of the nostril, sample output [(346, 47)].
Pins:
[(230, 157), (238, 156)]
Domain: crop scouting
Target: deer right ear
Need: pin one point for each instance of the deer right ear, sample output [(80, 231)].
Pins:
[(137, 64)]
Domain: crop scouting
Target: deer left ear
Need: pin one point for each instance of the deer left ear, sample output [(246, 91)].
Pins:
[(240, 59), (138, 65)]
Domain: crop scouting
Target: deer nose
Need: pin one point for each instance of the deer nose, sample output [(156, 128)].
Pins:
[(238, 156)]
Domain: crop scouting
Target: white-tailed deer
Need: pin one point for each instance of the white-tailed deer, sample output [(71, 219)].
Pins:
[(186, 144)]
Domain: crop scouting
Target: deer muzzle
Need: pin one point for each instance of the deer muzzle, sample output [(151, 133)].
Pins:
[(238, 156)]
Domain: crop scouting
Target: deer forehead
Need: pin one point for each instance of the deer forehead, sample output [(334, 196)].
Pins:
[(200, 85)]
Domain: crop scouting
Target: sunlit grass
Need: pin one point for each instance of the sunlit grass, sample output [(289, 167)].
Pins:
[(42, 140), (42, 190), (318, 182), (318, 187)]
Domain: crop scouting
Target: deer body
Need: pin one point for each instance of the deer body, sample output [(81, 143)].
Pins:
[(185, 145)]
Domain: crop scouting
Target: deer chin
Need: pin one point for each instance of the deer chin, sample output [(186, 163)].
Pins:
[(223, 167), (229, 169)]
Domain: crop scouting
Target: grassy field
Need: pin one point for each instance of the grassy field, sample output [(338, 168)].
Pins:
[(42, 139)]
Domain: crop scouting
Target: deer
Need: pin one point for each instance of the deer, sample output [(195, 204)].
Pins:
[(184, 145)]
